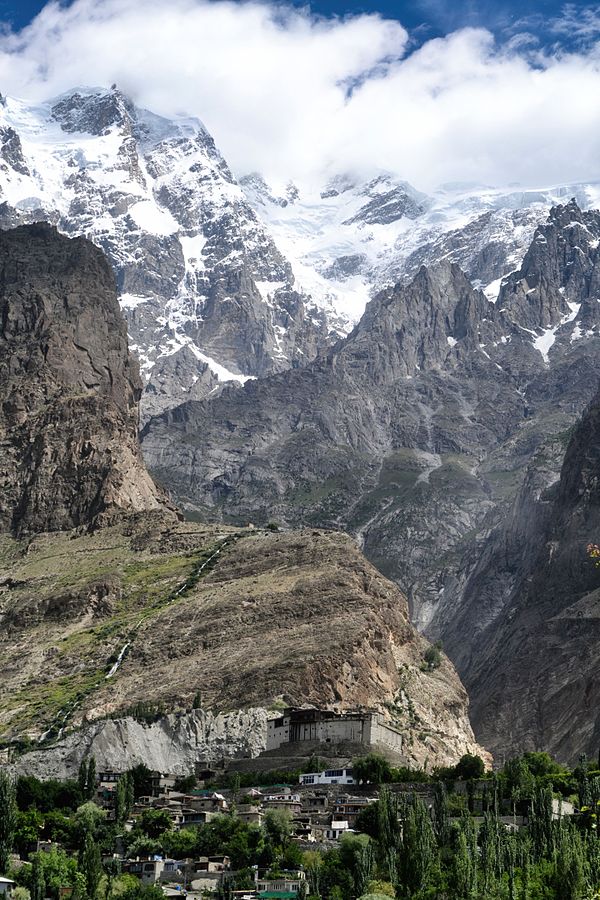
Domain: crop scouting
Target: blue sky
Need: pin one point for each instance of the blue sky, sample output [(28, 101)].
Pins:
[(426, 18)]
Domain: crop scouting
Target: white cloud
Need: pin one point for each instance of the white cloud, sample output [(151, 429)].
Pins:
[(288, 94)]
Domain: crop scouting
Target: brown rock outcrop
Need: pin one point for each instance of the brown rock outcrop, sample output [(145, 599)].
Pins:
[(69, 390), (298, 618)]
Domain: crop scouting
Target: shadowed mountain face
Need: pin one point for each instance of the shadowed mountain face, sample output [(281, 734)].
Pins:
[(417, 431), (535, 681), (69, 390)]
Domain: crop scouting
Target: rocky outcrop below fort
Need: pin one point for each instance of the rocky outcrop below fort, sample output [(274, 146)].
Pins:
[(178, 743), (149, 616)]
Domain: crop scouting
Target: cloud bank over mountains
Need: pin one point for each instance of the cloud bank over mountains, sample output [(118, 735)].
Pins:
[(293, 95)]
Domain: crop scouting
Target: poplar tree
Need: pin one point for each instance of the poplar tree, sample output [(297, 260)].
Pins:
[(38, 881), (440, 812), (91, 866), (570, 882), (8, 820), (388, 828), (540, 823), (419, 852)]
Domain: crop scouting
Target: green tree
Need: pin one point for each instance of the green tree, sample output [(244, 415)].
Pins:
[(120, 800), (540, 763), (372, 769), (185, 783), (278, 827), (129, 888), (112, 870), (86, 778), (491, 836), (88, 819), (367, 821), (569, 880), (20, 893), (432, 658), (418, 856), (383, 888), (141, 778), (235, 785), (142, 845), (47, 795), (28, 827), (180, 843), (469, 766), (59, 870), (356, 858), (463, 859), (389, 833), (540, 823), (38, 881), (154, 822), (440, 812), (91, 866), (8, 819), (312, 861)]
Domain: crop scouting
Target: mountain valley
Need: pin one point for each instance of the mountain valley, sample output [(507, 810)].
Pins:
[(109, 602), (354, 356)]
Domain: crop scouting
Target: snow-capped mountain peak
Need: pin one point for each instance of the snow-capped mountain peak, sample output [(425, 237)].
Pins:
[(207, 294)]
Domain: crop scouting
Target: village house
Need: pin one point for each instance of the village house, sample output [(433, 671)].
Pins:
[(347, 809), (150, 871), (337, 829), (6, 887), (191, 817), (302, 829), (250, 813), (288, 801), (288, 884), (315, 803)]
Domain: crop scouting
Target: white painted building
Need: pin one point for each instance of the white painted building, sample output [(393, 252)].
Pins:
[(329, 776), (6, 887), (337, 829)]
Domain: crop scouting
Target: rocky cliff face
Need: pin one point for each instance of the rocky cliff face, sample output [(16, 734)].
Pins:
[(416, 432), (176, 743), (69, 391), (536, 679)]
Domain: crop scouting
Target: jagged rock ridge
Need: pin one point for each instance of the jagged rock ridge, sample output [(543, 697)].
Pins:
[(223, 281), (355, 236)]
